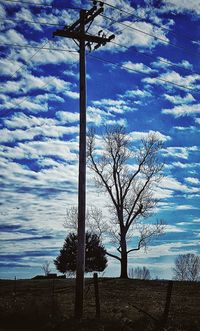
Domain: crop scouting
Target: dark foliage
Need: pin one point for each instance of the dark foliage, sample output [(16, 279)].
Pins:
[(95, 259)]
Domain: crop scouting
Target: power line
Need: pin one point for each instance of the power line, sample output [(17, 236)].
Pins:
[(143, 32), (29, 21), (38, 50), (43, 48), (136, 51), (140, 72), (39, 4), (74, 51), (113, 42), (107, 61), (155, 57), (20, 67), (29, 3), (126, 26), (25, 98), (142, 19)]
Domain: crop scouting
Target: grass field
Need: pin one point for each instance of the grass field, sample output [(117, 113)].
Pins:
[(124, 304)]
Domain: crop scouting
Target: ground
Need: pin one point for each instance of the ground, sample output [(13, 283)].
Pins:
[(124, 305)]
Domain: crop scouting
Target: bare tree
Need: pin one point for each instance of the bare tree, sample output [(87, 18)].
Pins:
[(46, 268), (94, 217), (187, 267), (139, 273), (128, 175)]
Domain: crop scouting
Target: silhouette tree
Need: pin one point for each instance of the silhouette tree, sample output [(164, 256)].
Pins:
[(128, 175), (46, 268), (95, 259), (140, 273), (187, 267)]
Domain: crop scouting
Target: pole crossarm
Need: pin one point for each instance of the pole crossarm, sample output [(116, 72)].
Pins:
[(79, 36)]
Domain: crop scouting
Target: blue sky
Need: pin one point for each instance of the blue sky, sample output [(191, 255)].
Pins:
[(145, 83)]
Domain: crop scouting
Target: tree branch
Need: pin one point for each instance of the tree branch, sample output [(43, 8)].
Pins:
[(114, 256)]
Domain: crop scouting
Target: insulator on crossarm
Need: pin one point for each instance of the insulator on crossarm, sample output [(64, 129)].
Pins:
[(97, 46), (111, 37)]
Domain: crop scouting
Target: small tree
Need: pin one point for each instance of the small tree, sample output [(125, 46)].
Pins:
[(46, 268), (95, 259), (140, 273), (187, 267)]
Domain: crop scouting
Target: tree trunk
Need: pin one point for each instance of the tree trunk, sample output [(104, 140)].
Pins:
[(124, 257)]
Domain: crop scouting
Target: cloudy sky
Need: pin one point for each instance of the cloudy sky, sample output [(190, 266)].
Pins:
[(147, 79)]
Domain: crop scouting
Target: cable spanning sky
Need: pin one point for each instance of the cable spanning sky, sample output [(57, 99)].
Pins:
[(146, 79)]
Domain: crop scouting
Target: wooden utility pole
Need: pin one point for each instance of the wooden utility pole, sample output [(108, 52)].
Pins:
[(77, 31)]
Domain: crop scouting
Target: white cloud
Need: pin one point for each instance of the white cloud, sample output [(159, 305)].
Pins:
[(36, 149), (197, 120), (120, 121), (113, 106), (185, 207), (137, 135), (182, 6), (31, 82), (175, 185), (13, 37), (179, 152), (130, 37), (73, 95), (183, 110), (192, 180), (169, 249), (8, 67), (141, 67), (187, 81), (2, 11), (44, 56), (196, 220), (136, 94), (46, 130), (184, 165), (24, 103), (173, 228), (163, 63), (177, 99), (67, 117)]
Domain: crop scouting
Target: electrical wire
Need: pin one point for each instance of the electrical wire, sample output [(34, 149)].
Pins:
[(25, 98), (150, 56), (127, 26), (140, 72), (146, 33), (38, 50), (29, 21), (20, 67), (143, 19), (113, 42), (154, 57), (29, 3), (39, 5), (117, 65), (145, 54), (43, 48)]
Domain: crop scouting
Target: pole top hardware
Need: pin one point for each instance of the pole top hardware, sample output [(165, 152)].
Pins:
[(74, 31)]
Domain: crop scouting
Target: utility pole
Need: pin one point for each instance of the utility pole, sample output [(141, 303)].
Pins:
[(78, 32)]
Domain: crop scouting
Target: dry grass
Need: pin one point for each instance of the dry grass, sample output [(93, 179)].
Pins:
[(125, 305)]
